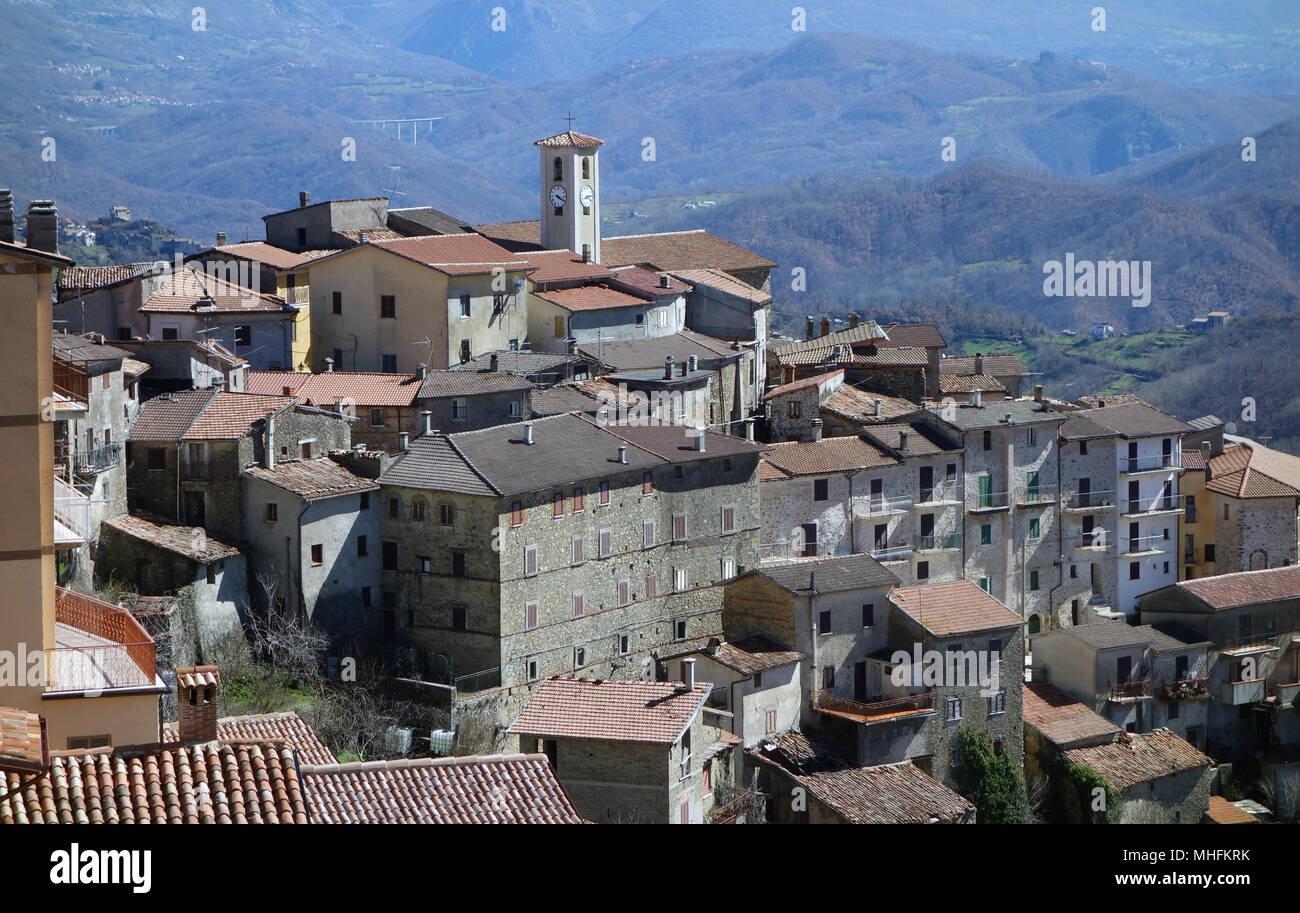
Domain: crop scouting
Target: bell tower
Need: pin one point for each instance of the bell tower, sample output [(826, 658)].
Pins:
[(570, 192)]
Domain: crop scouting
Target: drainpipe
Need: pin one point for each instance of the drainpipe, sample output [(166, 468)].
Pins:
[(1060, 536), (179, 516), (853, 531)]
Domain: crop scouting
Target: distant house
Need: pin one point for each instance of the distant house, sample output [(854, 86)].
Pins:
[(1101, 331), (1007, 370)]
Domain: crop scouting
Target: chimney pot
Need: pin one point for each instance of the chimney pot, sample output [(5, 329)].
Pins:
[(665, 281), (403, 441), (808, 327), (695, 363), (979, 363), (688, 674), (7, 215), (304, 199), (826, 326), (853, 320), (976, 399), (902, 440), (1205, 459), (221, 239), (586, 253), (196, 703), (428, 421), (879, 407), (699, 439), (622, 454), (329, 364), (43, 226), (420, 371), (668, 367), (816, 429), (494, 362), (1038, 393), (528, 432), (749, 430)]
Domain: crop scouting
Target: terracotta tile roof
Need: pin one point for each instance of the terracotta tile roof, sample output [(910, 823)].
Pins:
[(1251, 470), (1109, 399), (209, 783), (569, 139), (268, 728), (611, 711), (455, 255), (1139, 757), (526, 233), (133, 368), (679, 250), (1062, 719), (24, 746), (953, 608), (993, 364), (829, 575), (863, 334), (755, 653), (313, 480), (183, 292), (371, 234), (497, 789), (438, 384), (884, 357), (860, 405), (803, 384), (168, 416), (183, 540), (88, 278), (926, 335), (21, 251), (591, 298), (724, 282), (262, 252), (562, 266), (964, 383), (275, 383), (829, 455), (1191, 459), (1228, 591), (921, 439), (231, 415), (1222, 811), (648, 283), (365, 389)]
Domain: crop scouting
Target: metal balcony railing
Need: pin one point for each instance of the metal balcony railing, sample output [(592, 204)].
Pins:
[(891, 552), (1038, 494), (988, 500), (936, 543), (1135, 506), (870, 710), (943, 493), (72, 512), (1185, 688), (1096, 539), (1129, 691), (872, 506), (1151, 463), (1135, 545), (1089, 500), (478, 681), (101, 459)]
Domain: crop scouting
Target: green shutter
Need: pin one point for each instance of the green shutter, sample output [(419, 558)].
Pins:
[(986, 490), (1033, 528), (1033, 580), (1033, 485), (986, 534)]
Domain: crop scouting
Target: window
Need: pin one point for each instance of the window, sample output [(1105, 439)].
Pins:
[(986, 584), (828, 678), (1135, 570), (532, 670), (1189, 509), (394, 508), (604, 494), (530, 615), (950, 472), (557, 505), (680, 580), (558, 174), (728, 519), (578, 606), (338, 358), (465, 349), (624, 592), (530, 561), (388, 363), (1033, 580), (272, 511), (728, 568), (922, 570), (211, 573), (447, 514), (824, 622), (651, 586), (1226, 513), (868, 614), (998, 703), (810, 539), (1209, 552), (954, 708), (1083, 448), (459, 410), (606, 543), (365, 596), (624, 647), (170, 333), (157, 458), (986, 534), (679, 527), (821, 489), (317, 555), (995, 650), (988, 440), (426, 564), (305, 449), (579, 657), (389, 550), (648, 534), (679, 629), (361, 547), (578, 555), (337, 302), (458, 618), (769, 721), (707, 776), (647, 483), (516, 514), (458, 564), (686, 770), (388, 306), (464, 306), (1031, 437), (418, 507), (579, 500), (1034, 528), (243, 335), (515, 410), (89, 741), (794, 409)]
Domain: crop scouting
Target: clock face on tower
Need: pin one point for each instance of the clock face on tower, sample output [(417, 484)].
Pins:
[(585, 195), (558, 196)]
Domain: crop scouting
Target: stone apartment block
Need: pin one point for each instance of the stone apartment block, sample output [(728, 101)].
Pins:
[(185, 364), (793, 409), (187, 451), (562, 546)]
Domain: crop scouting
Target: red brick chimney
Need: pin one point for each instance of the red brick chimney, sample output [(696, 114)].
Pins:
[(196, 703)]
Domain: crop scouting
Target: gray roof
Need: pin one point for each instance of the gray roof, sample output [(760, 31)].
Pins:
[(1078, 427), (561, 398), (431, 462), (469, 383), (991, 414), (1206, 422), (1171, 635), (433, 221), (1136, 420), (829, 575), (522, 363), (70, 347), (1113, 634), (631, 354)]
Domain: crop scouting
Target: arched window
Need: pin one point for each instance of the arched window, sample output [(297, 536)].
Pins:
[(559, 168), (586, 168), (1035, 624)]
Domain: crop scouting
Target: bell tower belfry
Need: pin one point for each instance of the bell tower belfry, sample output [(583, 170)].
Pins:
[(570, 193)]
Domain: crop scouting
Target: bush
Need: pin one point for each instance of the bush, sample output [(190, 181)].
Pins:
[(990, 780)]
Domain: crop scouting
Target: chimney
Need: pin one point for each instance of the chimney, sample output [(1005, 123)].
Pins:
[(428, 421), (403, 441), (826, 326), (361, 237), (420, 371), (494, 363), (221, 239), (573, 347), (808, 327), (196, 703), (528, 433), (979, 363), (684, 365), (699, 439), (787, 374), (1205, 459), (304, 199), (43, 226), (329, 364), (268, 440), (976, 399), (1038, 393), (879, 414), (668, 367), (902, 439), (688, 674), (622, 455), (816, 429), (7, 215), (695, 363), (853, 320), (586, 253), (749, 430), (665, 281)]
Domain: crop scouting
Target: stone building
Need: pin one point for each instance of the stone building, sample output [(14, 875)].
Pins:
[(186, 364), (1056, 722), (1007, 370), (1159, 778), (187, 451), (792, 409)]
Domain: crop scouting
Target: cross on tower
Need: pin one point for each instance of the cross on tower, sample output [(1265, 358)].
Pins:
[(570, 119)]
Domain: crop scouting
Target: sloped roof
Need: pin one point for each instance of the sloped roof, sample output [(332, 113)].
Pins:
[(1221, 811), (926, 335), (859, 406), (272, 383), (724, 282), (183, 540), (748, 655), (423, 220), (521, 363), (562, 266), (366, 389), (829, 575), (522, 235), (433, 463), (965, 383), (470, 383), (956, 607), (863, 334), (883, 357), (208, 783), (1229, 591), (1004, 365), (88, 278), (454, 255), (1134, 420), (829, 455), (498, 789), (569, 139), (268, 728), (679, 250), (230, 415), (795, 386), (168, 416), (636, 354), (262, 252), (1139, 757), (648, 284), (24, 746), (562, 398), (610, 711), (590, 298), (1062, 719), (191, 289), (313, 480), (75, 349), (1251, 470), (922, 440)]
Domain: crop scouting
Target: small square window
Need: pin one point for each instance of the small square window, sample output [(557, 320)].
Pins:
[(821, 489), (317, 555), (272, 512), (387, 306), (868, 614), (824, 622)]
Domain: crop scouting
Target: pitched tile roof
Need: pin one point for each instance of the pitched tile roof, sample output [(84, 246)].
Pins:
[(795, 386), (635, 354), (569, 139), (525, 364), (964, 383), (208, 783), (1097, 401), (271, 383), (590, 298), (1228, 591), (1109, 635), (748, 655), (679, 250), (231, 415), (454, 255), (433, 463), (926, 335), (470, 383), (922, 440), (1251, 470), (829, 455), (83, 350), (262, 252), (1222, 811), (88, 278), (955, 607), (647, 283), (860, 405), (562, 398), (168, 416), (562, 266), (423, 220), (1132, 420), (268, 728), (1139, 757), (1003, 365), (992, 415), (524, 235), (883, 357), (191, 290), (24, 746), (183, 540), (357, 235), (328, 388), (723, 282), (313, 480), (610, 711), (1062, 719), (828, 575), (865, 333), (498, 789)]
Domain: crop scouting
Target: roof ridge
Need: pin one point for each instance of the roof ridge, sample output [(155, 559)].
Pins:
[(657, 234), (468, 462)]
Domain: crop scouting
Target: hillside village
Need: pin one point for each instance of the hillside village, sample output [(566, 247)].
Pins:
[(552, 528)]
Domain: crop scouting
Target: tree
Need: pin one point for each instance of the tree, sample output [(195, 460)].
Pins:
[(990, 780)]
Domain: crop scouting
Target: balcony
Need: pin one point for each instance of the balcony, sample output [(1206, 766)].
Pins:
[(913, 705), (886, 552), (71, 382), (873, 506), (73, 526), (1185, 689), (1234, 694), (475, 682), (942, 495), (1285, 693), (988, 501), (1139, 507), (1135, 546), (1089, 500), (1095, 541), (1038, 496), (1127, 692), (98, 647), (298, 296), (947, 542), (1159, 463)]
